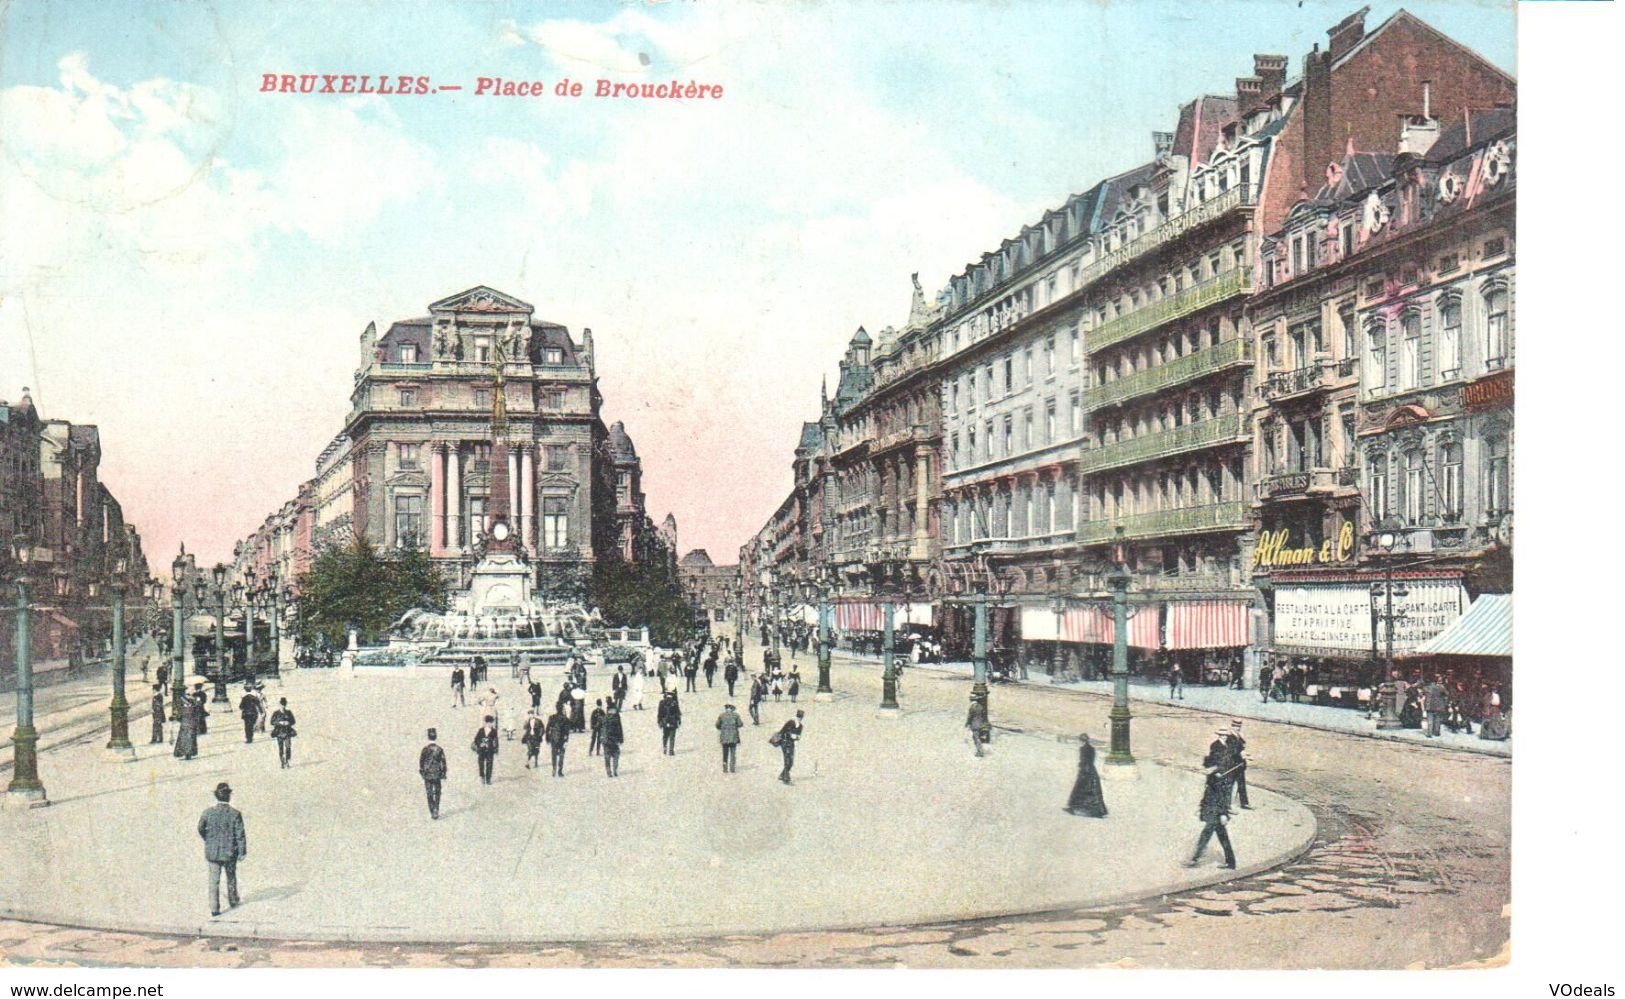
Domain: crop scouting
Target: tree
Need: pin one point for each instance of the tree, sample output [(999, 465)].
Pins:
[(355, 584), (637, 594)]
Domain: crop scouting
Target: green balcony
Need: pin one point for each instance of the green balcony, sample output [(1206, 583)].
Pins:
[(1198, 296), (1172, 229), (1166, 523), (1204, 362), (1165, 443)]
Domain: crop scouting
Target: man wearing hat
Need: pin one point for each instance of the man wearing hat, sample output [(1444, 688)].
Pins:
[(613, 735), (1215, 808), (1234, 744), (728, 725), (158, 716), (486, 743), (225, 842), (249, 709), (785, 738), (432, 768)]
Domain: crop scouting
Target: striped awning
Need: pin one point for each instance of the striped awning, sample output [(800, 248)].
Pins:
[(1485, 630), (1208, 624), (1093, 623)]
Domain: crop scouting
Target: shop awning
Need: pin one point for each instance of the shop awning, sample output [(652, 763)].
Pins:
[(1208, 624), (913, 614), (1037, 624), (1485, 630), (1093, 623)]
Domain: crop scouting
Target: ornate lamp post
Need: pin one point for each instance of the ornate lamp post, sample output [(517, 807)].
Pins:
[(1118, 578), (821, 582), (888, 655), (25, 788), (246, 593), (178, 635), (119, 710), (1384, 541), (219, 574), (1058, 605)]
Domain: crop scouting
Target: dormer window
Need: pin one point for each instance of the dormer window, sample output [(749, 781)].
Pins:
[(553, 355), (408, 353)]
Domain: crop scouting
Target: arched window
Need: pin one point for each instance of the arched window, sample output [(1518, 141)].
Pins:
[(1497, 328), (1449, 346), (1376, 355), (1410, 350)]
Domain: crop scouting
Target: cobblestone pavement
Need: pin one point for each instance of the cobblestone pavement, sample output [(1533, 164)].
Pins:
[(1410, 869)]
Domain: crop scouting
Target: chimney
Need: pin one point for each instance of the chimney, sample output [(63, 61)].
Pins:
[(1347, 33), (1248, 91), (1418, 133), (1319, 141), (1271, 71)]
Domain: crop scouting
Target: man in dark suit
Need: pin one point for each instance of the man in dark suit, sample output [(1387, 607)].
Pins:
[(1235, 746), (535, 691), (617, 686), (486, 743), (613, 736), (1215, 809), (158, 716), (787, 737), (669, 717), (730, 675), (1436, 702), (595, 726), (558, 734), (225, 841), (249, 709), (458, 687), (533, 735), (432, 768)]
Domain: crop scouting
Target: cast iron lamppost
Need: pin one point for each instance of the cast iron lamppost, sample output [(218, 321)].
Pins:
[(25, 788), (1058, 605), (178, 635), (119, 710), (246, 593), (219, 574), (1385, 540), (821, 584), (1118, 579)]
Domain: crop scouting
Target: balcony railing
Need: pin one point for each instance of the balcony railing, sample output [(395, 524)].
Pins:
[(1198, 296), (1149, 447), (1227, 354), (1162, 523), (1170, 230)]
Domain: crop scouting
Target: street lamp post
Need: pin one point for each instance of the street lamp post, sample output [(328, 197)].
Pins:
[(25, 788), (178, 636), (219, 573), (1118, 578), (1058, 605), (119, 710), (888, 651), (825, 692), (1385, 540)]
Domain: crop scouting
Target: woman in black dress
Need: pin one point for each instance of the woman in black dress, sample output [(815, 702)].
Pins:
[(1086, 798)]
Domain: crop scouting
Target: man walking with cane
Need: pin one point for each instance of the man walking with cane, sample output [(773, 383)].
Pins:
[(1215, 809)]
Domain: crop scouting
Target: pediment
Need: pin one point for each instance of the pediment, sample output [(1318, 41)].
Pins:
[(481, 299)]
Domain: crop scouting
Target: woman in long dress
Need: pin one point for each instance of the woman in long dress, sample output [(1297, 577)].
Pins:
[(186, 732), (1086, 798), (635, 688)]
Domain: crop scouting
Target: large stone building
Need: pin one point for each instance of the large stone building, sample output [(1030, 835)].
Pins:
[(1122, 367), (51, 494), (411, 467), (711, 590)]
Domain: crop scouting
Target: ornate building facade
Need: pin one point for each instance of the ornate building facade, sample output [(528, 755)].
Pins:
[(1127, 378), (412, 465)]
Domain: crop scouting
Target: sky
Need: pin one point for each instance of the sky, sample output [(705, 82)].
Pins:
[(187, 261)]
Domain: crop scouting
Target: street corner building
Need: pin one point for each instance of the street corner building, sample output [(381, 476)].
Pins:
[(1267, 371), (54, 502), (413, 468)]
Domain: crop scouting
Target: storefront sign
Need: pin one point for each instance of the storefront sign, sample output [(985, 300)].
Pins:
[(1426, 609), (1324, 617), (1275, 549), (1492, 392)]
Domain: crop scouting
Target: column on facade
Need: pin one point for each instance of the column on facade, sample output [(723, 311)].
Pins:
[(527, 497), (922, 520), (454, 499), (437, 498), (513, 483)]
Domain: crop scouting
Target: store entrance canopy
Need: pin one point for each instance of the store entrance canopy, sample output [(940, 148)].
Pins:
[(1485, 630)]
